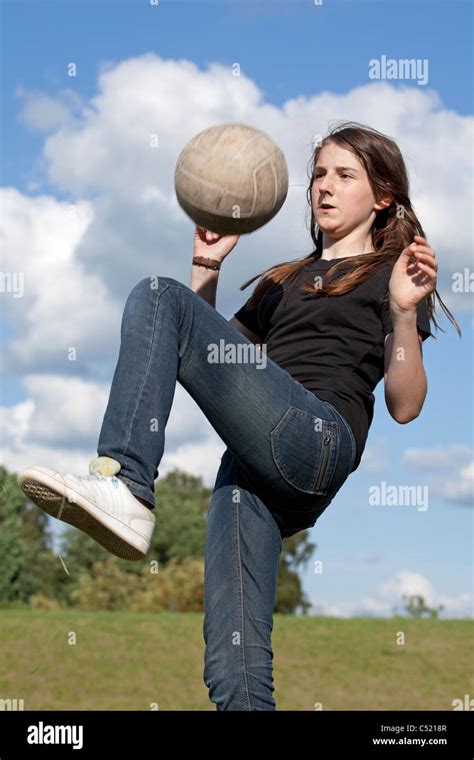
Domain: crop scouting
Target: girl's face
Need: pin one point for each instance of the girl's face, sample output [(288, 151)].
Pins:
[(339, 179)]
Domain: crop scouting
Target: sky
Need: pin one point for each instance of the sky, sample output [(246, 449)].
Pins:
[(88, 211)]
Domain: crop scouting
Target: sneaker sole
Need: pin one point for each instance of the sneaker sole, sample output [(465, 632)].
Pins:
[(53, 497)]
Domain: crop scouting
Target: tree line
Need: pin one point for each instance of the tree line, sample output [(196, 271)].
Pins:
[(41, 569)]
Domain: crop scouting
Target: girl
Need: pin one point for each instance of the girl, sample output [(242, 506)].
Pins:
[(334, 323)]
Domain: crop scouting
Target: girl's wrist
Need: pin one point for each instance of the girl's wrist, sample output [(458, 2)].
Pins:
[(402, 316)]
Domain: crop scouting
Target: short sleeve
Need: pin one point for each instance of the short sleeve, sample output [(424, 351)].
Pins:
[(249, 318), (257, 319), (422, 319)]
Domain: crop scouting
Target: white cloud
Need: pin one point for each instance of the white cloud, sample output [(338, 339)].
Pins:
[(437, 457), (42, 112), (64, 305), (459, 489), (59, 410), (58, 427), (406, 583), (106, 149), (389, 595), (199, 458), (15, 422), (456, 483)]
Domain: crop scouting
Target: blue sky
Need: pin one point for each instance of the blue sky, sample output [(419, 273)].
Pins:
[(293, 53), (284, 46)]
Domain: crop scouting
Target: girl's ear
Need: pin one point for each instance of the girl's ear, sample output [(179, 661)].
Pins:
[(383, 204)]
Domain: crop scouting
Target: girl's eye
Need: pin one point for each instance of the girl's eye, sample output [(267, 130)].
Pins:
[(317, 176)]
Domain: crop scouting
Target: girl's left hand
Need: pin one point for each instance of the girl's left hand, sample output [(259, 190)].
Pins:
[(413, 281)]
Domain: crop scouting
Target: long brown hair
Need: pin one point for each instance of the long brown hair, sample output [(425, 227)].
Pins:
[(393, 229)]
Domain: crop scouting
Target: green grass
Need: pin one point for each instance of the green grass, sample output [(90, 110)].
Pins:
[(126, 661)]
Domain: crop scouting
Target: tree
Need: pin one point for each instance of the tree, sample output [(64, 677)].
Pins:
[(181, 517), (12, 548), (297, 551), (27, 564), (416, 607), (29, 568)]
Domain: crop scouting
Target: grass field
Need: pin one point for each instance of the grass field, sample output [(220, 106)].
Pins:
[(125, 661)]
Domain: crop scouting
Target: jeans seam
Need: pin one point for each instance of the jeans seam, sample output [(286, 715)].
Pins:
[(145, 376), (185, 357), (352, 440), (180, 287), (240, 592)]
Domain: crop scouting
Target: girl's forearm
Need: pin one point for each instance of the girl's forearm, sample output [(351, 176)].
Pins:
[(405, 385), (204, 283)]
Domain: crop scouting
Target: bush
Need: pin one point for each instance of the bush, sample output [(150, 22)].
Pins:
[(178, 587), (42, 602), (105, 587)]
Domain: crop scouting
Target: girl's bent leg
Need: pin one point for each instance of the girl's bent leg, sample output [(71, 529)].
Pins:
[(243, 547), (170, 333), (266, 419)]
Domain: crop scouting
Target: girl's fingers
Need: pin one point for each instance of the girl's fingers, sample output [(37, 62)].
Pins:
[(426, 261), (421, 267), (422, 244), (420, 247), (427, 256), (427, 269), (425, 251)]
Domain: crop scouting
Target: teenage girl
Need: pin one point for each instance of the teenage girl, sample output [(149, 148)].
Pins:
[(320, 333)]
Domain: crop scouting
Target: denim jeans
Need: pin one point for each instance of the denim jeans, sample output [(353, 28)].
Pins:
[(287, 455)]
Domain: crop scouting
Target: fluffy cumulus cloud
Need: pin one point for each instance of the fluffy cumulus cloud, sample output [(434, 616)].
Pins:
[(122, 147), (450, 471), (460, 487), (389, 594), (58, 426), (58, 410), (45, 112), (60, 308), (114, 219)]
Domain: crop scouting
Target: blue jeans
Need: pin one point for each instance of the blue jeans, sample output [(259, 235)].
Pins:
[(287, 455)]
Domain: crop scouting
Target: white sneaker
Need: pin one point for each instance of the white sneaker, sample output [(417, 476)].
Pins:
[(99, 504)]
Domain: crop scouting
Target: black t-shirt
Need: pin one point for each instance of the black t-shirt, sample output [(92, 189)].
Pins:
[(333, 345)]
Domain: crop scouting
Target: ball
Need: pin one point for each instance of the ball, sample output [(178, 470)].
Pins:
[(231, 179)]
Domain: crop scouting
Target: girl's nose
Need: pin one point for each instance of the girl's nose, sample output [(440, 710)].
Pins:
[(325, 186)]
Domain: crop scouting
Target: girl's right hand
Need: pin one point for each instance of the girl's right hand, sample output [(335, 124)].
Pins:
[(211, 245)]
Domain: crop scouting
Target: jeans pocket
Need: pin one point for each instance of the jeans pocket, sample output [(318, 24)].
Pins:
[(305, 449)]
